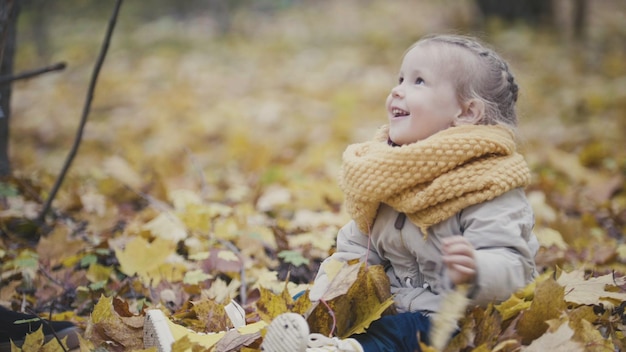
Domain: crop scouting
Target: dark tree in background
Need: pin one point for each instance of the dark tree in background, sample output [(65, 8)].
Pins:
[(536, 13), (530, 11), (9, 10)]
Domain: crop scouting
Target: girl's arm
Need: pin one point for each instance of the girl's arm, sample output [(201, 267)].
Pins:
[(500, 231)]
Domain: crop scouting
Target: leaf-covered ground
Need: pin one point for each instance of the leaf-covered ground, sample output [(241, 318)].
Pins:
[(208, 169)]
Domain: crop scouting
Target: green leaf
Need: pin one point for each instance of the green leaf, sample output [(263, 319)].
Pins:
[(293, 257), (88, 260), (8, 190)]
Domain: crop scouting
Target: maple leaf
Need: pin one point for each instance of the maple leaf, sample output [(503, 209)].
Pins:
[(271, 305), (548, 303), (340, 276), (166, 225), (366, 300), (149, 260), (591, 291), (106, 326), (212, 315), (35, 342), (556, 340)]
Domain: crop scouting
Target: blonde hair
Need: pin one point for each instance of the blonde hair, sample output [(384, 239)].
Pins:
[(488, 78)]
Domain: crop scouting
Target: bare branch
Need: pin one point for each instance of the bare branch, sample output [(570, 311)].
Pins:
[(85, 114), (29, 74)]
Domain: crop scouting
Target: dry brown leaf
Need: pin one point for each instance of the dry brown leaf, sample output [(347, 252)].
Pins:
[(340, 276), (547, 304), (58, 246), (591, 338), (591, 291), (234, 340), (118, 168), (212, 315), (560, 340), (271, 305), (107, 327), (367, 300)]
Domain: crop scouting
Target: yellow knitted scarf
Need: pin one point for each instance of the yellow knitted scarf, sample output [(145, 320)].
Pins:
[(433, 179)]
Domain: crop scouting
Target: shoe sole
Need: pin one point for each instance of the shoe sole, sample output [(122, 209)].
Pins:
[(156, 332)]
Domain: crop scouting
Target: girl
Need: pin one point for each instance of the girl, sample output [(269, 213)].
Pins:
[(438, 194)]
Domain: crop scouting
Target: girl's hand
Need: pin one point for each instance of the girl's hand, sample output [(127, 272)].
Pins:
[(458, 255)]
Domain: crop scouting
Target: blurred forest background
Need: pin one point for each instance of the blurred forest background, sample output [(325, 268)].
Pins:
[(223, 110)]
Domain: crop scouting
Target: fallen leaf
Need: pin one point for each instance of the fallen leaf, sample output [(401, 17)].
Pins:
[(560, 340), (340, 276), (149, 260), (591, 291), (118, 168), (107, 327), (547, 304), (166, 226)]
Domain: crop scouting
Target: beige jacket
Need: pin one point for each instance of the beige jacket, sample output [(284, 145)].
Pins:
[(500, 230)]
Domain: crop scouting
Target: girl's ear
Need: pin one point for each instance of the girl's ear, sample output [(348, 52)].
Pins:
[(472, 114)]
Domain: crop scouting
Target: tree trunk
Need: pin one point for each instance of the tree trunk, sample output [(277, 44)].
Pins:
[(538, 12), (9, 10), (580, 19)]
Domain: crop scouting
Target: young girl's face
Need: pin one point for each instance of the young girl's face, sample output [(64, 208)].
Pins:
[(424, 101)]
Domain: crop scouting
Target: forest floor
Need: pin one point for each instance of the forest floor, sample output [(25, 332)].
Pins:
[(208, 169)]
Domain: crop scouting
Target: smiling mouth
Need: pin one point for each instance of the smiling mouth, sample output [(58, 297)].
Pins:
[(398, 112)]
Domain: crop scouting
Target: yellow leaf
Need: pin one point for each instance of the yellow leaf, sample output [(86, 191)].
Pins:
[(227, 229), (148, 260), (559, 340), (221, 292), (212, 315), (228, 255), (527, 293), (106, 325), (97, 272), (550, 237), (271, 305), (512, 307), (88, 346), (368, 317), (34, 341), (121, 170), (181, 198), (201, 217), (54, 346), (588, 336), (166, 226), (252, 328), (621, 252), (366, 300), (547, 304), (452, 308), (195, 277)]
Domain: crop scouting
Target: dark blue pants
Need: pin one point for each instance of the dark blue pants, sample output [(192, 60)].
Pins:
[(395, 333)]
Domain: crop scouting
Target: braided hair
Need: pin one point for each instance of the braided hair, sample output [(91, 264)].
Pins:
[(488, 79)]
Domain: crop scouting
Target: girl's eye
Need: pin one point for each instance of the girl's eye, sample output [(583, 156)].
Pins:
[(419, 80)]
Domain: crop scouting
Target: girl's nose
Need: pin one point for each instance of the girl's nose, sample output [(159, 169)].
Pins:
[(396, 92)]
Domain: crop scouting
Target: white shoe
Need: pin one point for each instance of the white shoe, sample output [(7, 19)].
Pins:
[(319, 342), (289, 332), (160, 332)]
